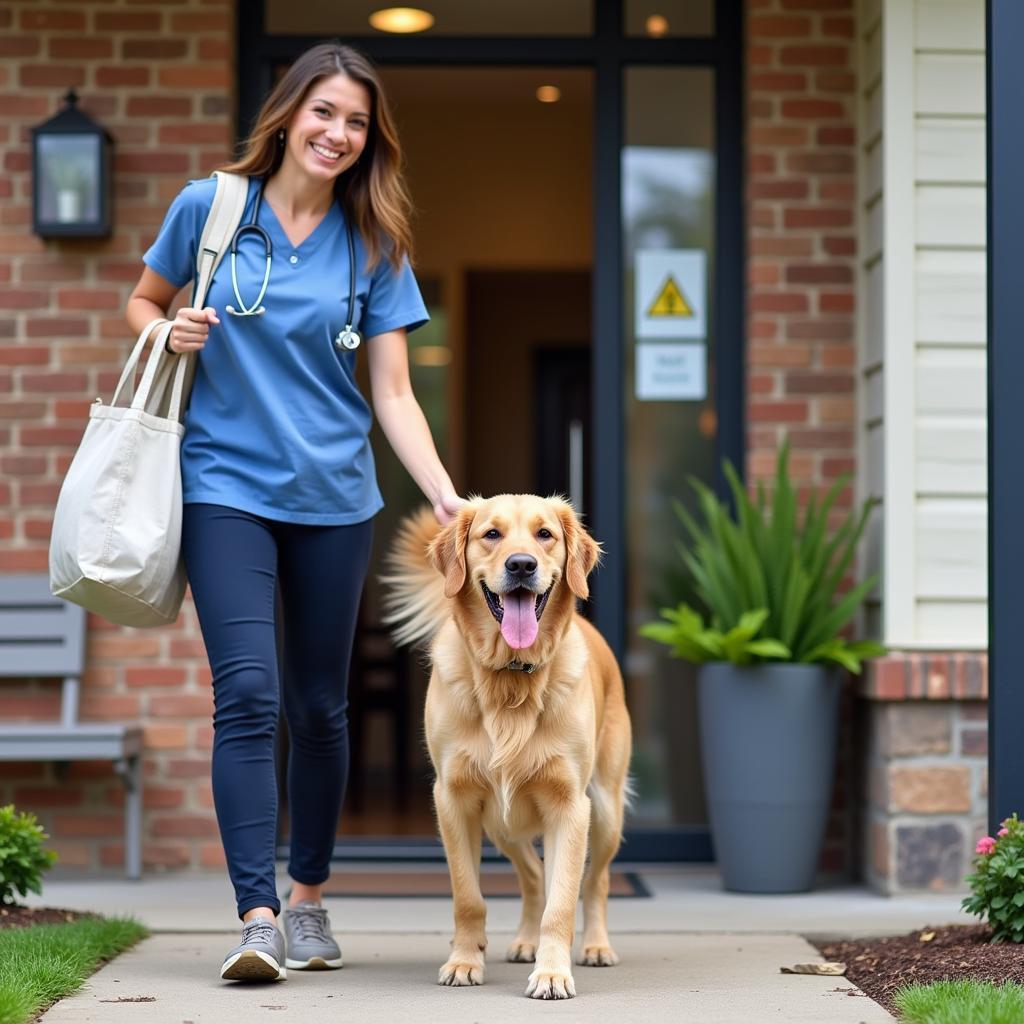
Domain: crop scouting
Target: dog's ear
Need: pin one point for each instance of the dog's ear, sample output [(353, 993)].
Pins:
[(581, 552), (447, 551)]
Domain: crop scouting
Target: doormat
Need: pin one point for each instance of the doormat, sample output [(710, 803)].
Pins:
[(414, 884)]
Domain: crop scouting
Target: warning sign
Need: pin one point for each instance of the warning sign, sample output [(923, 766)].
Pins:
[(671, 300)]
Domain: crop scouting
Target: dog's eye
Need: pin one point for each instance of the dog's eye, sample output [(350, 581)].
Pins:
[(492, 534), (544, 533)]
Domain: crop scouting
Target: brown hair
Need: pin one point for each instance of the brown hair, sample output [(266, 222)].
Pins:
[(372, 191)]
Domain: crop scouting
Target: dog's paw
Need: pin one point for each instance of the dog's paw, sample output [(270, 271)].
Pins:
[(461, 972), (521, 952), (598, 956), (550, 985)]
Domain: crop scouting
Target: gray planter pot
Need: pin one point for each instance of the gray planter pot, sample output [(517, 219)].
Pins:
[(768, 747)]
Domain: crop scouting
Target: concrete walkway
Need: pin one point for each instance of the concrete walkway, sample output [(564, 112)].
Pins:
[(692, 951)]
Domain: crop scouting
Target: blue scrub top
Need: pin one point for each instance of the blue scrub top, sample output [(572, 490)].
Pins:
[(276, 424)]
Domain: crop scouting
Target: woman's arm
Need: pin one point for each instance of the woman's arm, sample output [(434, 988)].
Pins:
[(404, 424), (152, 297)]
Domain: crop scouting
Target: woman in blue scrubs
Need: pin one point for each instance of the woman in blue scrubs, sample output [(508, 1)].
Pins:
[(277, 472)]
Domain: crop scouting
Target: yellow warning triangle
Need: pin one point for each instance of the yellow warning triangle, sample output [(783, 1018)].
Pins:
[(671, 301)]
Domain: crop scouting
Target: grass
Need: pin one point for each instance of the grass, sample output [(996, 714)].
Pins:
[(42, 963), (961, 1002)]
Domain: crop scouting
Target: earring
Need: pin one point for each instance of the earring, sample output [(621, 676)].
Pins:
[(280, 137)]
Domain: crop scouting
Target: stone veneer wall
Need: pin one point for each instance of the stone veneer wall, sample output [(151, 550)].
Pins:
[(925, 769)]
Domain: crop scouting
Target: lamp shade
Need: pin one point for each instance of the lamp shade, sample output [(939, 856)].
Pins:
[(71, 175)]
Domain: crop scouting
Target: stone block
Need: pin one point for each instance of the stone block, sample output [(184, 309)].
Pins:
[(930, 789), (906, 730), (930, 857), (974, 742)]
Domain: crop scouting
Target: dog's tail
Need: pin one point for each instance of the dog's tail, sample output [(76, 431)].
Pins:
[(414, 603)]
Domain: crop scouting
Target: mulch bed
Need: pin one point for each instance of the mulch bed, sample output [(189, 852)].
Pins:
[(22, 917), (883, 966)]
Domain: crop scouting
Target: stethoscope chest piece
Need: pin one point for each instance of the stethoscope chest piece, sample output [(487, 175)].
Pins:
[(347, 339)]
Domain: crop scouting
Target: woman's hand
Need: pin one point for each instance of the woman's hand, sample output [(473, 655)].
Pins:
[(447, 506), (190, 329)]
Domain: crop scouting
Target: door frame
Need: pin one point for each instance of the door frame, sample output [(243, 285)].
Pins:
[(607, 52)]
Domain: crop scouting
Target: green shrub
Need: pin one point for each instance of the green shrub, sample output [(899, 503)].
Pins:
[(22, 857), (770, 581), (997, 884)]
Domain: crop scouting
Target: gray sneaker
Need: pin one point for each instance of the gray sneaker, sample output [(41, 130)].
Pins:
[(310, 945), (259, 956)]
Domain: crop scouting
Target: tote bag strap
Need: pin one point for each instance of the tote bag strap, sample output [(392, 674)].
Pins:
[(221, 223)]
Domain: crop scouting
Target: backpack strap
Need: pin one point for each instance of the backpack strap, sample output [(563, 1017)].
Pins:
[(221, 223)]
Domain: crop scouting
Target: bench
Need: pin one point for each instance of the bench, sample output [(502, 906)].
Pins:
[(42, 636)]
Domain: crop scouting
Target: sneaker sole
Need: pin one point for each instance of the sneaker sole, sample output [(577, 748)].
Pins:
[(252, 965), (314, 963)]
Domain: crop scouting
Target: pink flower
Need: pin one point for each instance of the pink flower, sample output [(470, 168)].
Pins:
[(985, 845), (1003, 832)]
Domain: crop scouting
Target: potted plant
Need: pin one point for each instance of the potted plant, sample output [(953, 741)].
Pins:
[(771, 653)]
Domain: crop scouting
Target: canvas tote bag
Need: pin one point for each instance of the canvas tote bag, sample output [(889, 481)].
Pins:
[(116, 542)]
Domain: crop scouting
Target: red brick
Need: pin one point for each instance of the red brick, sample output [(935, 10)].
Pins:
[(159, 106), (215, 49), (155, 675), (836, 302), (43, 20), (188, 706), (778, 412), (23, 298), (192, 133), (91, 826), (54, 327), (81, 48), (118, 77), (818, 110), (201, 24), (775, 27), (59, 76), (47, 382), (194, 76), (766, 188), (837, 27), (835, 135), (150, 162), (25, 561), (154, 49), (814, 56), (134, 21), (24, 355), (818, 383), (89, 298), (19, 46), (187, 826), (818, 217), (165, 855), (777, 81), (820, 163), (819, 273), (778, 302), (163, 797), (30, 798)]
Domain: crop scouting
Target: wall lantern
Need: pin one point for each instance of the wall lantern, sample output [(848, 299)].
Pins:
[(71, 162)]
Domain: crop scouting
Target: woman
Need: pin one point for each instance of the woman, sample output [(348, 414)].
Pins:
[(277, 472)]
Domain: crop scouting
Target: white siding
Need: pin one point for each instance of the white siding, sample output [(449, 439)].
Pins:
[(923, 394)]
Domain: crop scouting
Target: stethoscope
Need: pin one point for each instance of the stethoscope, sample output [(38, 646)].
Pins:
[(347, 338)]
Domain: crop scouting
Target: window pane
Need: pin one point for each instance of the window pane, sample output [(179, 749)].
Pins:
[(668, 202), (658, 18), (451, 17)]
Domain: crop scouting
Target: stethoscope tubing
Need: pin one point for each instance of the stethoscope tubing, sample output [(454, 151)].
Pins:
[(346, 339)]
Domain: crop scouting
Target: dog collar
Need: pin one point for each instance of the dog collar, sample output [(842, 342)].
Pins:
[(515, 665)]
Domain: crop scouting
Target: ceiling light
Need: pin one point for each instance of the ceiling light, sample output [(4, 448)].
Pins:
[(401, 19), (549, 94), (657, 25)]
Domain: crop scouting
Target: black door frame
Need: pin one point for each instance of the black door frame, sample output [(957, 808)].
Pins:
[(607, 52)]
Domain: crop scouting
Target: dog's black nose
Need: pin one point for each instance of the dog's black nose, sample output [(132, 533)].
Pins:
[(520, 565)]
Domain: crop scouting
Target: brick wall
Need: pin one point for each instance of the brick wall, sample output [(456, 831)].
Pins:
[(801, 244), (925, 769), (159, 77)]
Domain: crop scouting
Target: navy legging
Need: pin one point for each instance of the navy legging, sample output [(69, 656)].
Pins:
[(235, 561)]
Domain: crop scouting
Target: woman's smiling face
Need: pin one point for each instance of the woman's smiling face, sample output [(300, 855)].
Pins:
[(328, 131)]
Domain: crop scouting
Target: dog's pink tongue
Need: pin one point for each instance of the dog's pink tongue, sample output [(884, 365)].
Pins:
[(519, 619)]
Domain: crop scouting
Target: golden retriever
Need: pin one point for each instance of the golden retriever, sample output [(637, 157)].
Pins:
[(526, 722)]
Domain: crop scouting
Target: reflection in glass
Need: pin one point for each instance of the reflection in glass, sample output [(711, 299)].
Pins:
[(658, 18), (668, 201), (451, 17), (69, 178)]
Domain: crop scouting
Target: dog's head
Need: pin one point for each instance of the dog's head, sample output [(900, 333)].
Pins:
[(514, 564)]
